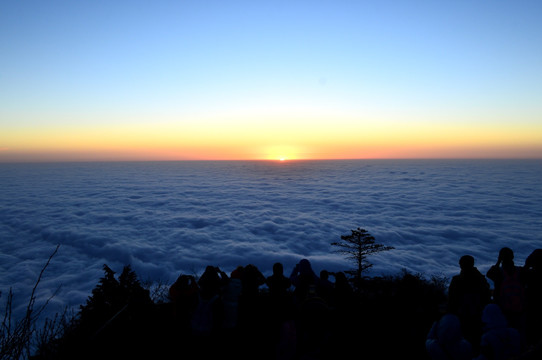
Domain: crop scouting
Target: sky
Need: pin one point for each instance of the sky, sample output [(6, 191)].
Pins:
[(226, 80)]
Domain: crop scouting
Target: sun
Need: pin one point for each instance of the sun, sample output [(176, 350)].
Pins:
[(281, 153)]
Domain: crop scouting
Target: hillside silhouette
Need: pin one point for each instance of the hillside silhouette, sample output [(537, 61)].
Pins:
[(120, 321), (245, 315)]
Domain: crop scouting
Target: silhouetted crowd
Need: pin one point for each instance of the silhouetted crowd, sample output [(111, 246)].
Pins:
[(301, 312), (309, 316), (491, 324), (305, 316), (226, 314)]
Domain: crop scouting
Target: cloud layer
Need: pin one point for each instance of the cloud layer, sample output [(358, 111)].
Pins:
[(165, 218)]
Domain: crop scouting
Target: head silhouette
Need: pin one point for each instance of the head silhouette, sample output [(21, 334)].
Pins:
[(506, 255), (305, 266), (466, 262), (237, 273), (341, 277), (278, 269), (493, 318), (534, 260), (324, 274), (449, 329)]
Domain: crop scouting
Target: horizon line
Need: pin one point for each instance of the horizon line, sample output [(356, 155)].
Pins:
[(267, 160)]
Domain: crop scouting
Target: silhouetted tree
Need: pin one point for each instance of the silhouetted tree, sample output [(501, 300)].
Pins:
[(111, 297), (357, 246), (112, 324)]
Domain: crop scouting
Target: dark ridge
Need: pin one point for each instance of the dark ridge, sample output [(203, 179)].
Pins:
[(380, 318)]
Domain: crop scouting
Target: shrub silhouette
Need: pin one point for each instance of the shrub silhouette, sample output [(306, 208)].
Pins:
[(111, 297), (120, 321), (110, 325), (18, 336)]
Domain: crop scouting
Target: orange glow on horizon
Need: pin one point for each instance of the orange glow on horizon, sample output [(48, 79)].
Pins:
[(277, 142), (328, 152)]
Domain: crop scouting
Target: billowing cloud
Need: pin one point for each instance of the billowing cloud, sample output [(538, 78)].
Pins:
[(173, 217)]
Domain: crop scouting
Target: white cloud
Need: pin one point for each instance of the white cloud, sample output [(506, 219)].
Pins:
[(167, 218)]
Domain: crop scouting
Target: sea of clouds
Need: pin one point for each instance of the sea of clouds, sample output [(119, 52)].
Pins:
[(167, 218)]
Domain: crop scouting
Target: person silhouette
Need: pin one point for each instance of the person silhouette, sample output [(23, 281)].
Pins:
[(208, 315), (183, 294), (445, 340), (313, 315), (343, 292), (251, 316), (509, 287), (533, 297), (304, 279), (230, 298), (468, 294), (211, 282), (280, 310), (278, 283), (325, 287), (279, 295), (252, 279), (342, 303), (499, 341)]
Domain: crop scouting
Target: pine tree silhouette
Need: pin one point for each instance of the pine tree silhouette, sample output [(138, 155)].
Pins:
[(357, 246)]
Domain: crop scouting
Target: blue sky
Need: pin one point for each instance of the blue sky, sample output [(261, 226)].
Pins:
[(175, 65)]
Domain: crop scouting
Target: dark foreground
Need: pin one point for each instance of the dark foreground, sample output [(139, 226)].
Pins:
[(384, 318)]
